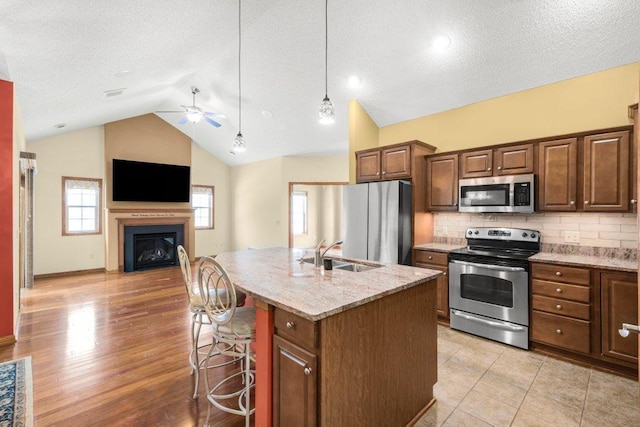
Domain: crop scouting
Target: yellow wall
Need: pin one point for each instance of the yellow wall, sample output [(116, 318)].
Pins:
[(363, 134), (590, 102)]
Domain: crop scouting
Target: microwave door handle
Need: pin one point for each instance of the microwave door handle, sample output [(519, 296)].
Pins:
[(488, 266), (493, 323)]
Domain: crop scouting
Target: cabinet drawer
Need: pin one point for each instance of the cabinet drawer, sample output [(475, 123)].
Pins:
[(562, 307), (560, 273), (561, 290), (559, 331), (296, 329), (431, 257)]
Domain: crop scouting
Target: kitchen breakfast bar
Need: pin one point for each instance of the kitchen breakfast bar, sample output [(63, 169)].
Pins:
[(354, 345)]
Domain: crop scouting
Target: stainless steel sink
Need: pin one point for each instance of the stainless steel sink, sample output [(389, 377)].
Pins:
[(346, 265)]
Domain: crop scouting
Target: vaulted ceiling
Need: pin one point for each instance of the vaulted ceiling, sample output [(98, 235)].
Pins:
[(63, 55)]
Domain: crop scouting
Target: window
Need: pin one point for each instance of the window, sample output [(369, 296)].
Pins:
[(299, 212), (81, 207), (202, 203)]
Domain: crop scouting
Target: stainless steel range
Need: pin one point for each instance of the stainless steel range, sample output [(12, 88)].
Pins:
[(489, 284)]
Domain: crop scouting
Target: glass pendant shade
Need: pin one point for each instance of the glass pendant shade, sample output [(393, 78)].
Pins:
[(238, 144), (327, 113)]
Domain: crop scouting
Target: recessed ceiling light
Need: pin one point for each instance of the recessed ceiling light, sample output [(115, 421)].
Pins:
[(440, 42), (60, 125), (267, 114), (355, 82), (123, 73)]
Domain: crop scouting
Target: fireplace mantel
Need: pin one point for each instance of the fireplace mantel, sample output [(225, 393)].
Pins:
[(119, 218)]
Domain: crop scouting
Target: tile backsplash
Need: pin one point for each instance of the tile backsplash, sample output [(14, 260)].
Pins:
[(601, 230)]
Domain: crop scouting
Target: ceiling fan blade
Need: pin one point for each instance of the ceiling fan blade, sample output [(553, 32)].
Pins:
[(174, 111), (216, 115), (183, 120), (211, 122)]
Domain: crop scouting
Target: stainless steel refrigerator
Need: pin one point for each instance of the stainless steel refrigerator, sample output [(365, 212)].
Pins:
[(377, 222)]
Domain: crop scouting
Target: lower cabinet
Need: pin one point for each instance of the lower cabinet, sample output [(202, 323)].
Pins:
[(436, 261), (579, 310)]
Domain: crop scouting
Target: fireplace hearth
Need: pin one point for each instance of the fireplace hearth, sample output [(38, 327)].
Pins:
[(151, 246)]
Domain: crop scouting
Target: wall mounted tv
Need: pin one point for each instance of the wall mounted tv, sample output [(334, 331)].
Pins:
[(150, 182)]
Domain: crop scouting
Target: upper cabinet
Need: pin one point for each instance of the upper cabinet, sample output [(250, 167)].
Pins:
[(442, 182), (557, 175), (606, 172), (391, 162), (512, 160)]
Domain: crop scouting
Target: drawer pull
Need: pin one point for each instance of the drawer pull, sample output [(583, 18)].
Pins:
[(559, 307), (307, 371), (444, 273), (559, 331), (291, 325), (558, 273), (430, 257), (559, 290)]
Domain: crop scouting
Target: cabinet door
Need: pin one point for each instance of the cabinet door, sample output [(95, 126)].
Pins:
[(513, 160), (396, 162), (606, 172), (442, 283), (619, 300), (368, 166), (294, 385), (557, 175), (476, 164), (442, 183)]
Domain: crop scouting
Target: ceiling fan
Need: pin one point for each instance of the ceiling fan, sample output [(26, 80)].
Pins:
[(193, 114)]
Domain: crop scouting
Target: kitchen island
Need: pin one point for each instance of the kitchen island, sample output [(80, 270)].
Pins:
[(338, 347)]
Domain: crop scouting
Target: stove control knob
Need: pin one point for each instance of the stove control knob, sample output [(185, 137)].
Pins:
[(524, 234), (476, 232), (533, 235), (469, 232)]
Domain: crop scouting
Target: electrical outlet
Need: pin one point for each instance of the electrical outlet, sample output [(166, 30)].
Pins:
[(572, 236), (91, 255)]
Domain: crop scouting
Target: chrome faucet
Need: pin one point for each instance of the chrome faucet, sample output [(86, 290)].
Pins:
[(336, 243), (317, 258)]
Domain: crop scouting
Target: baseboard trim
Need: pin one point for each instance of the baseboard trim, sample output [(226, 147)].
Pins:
[(421, 413), (8, 340), (69, 273)]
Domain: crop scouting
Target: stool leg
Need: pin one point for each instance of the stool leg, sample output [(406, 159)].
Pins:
[(196, 324), (247, 384)]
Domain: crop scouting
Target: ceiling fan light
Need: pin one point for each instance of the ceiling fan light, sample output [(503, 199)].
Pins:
[(238, 144), (194, 116), (327, 113)]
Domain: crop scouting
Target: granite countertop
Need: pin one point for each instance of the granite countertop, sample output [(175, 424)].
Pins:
[(438, 247), (586, 261), (277, 277)]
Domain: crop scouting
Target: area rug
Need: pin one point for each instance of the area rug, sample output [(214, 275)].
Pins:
[(16, 393)]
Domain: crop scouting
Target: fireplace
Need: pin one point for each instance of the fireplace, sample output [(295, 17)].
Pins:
[(152, 246)]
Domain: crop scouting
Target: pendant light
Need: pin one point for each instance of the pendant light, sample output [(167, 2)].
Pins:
[(327, 113), (239, 145)]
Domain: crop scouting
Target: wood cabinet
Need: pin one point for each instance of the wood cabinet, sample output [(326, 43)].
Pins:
[(442, 182), (368, 167), (510, 160), (560, 307), (606, 172), (396, 161), (618, 305), (558, 175), (436, 261)]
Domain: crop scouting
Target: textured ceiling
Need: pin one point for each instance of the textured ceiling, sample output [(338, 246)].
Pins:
[(62, 55)]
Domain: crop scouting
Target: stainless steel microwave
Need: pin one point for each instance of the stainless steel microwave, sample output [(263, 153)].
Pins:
[(508, 193)]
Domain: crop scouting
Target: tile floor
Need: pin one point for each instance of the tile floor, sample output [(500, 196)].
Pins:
[(484, 383)]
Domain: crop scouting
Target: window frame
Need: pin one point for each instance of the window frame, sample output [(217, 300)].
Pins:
[(65, 231), (305, 225), (211, 208)]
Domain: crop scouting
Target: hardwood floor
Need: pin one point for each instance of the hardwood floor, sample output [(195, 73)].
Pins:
[(112, 349)]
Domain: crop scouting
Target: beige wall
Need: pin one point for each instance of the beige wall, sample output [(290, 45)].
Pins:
[(208, 170), (590, 102), (363, 134), (78, 154), (261, 196), (324, 215)]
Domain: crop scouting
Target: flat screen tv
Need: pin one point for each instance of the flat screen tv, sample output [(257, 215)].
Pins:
[(150, 182)]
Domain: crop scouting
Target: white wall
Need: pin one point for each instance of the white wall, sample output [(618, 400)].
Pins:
[(208, 170), (77, 154), (261, 196)]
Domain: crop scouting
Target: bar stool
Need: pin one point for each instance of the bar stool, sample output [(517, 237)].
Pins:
[(233, 331), (198, 356)]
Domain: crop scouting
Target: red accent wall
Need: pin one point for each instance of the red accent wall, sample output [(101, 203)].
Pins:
[(6, 208)]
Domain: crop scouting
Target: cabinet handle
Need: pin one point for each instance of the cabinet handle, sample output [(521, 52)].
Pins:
[(634, 201), (444, 273), (559, 307), (559, 290), (307, 371), (291, 325), (573, 202), (377, 173), (430, 257), (558, 273), (499, 167), (586, 202), (488, 169), (384, 173), (559, 331)]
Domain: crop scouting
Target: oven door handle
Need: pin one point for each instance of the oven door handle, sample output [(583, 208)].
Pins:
[(488, 266), (492, 323)]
